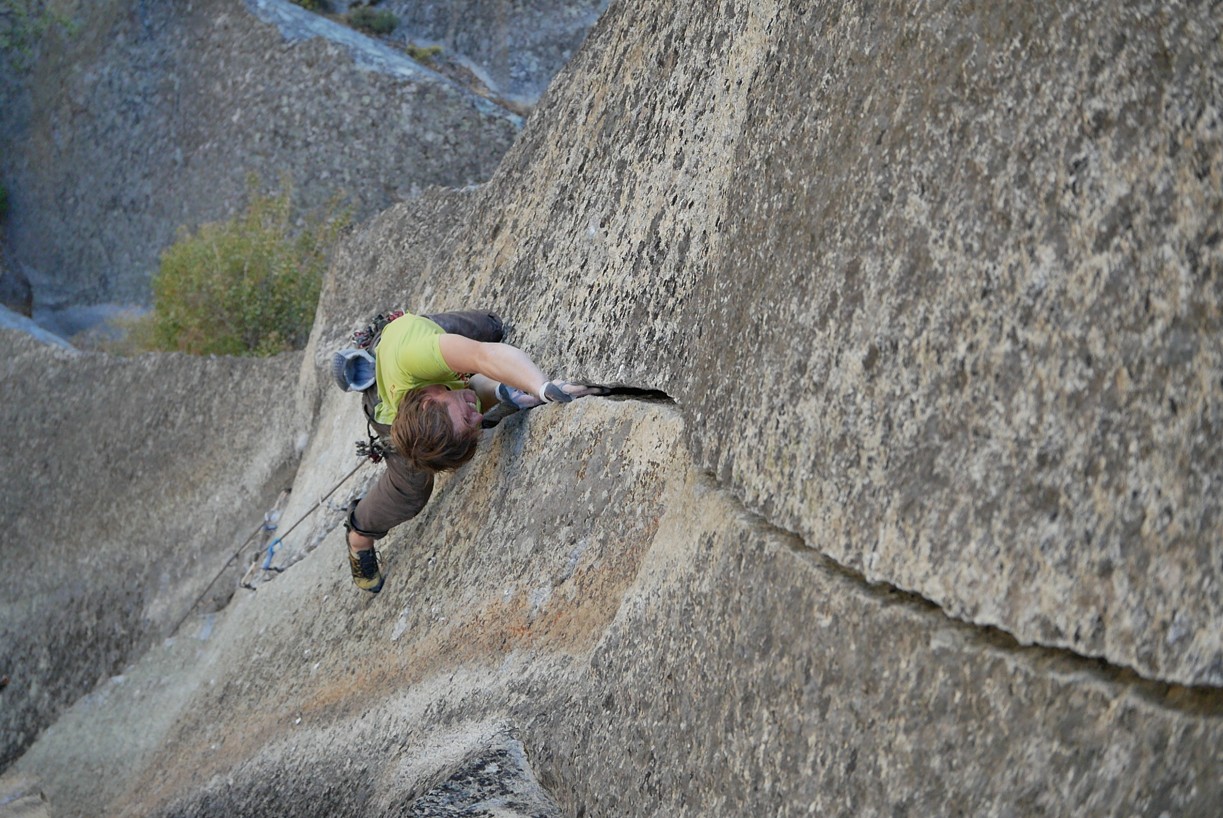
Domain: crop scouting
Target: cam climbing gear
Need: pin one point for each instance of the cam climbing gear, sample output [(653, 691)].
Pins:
[(367, 337), (376, 448), (279, 541)]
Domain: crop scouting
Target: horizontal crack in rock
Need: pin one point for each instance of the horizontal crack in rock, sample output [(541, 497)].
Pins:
[(1204, 700), (1190, 699), (1196, 699), (635, 393)]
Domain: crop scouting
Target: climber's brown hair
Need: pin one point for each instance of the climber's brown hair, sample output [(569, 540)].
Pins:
[(424, 434)]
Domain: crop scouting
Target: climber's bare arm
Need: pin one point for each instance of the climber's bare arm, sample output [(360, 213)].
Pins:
[(496, 362)]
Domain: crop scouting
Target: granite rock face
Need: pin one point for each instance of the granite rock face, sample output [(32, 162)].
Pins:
[(126, 486), (517, 47), (585, 589), (939, 290), (933, 293)]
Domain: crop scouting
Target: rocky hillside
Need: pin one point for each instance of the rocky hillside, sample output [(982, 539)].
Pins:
[(169, 135), (915, 511), (514, 48)]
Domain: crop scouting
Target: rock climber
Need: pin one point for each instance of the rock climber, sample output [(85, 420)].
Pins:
[(427, 386)]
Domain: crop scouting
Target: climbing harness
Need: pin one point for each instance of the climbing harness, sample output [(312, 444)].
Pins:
[(377, 447), (354, 368)]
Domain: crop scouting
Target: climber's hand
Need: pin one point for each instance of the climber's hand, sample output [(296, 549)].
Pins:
[(516, 397), (550, 392), (554, 392), (581, 390)]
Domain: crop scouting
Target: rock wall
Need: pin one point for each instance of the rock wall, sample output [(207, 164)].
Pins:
[(934, 292), (517, 47), (170, 133), (965, 264), (125, 487), (588, 591)]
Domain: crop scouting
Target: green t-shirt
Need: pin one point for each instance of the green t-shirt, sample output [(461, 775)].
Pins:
[(408, 356)]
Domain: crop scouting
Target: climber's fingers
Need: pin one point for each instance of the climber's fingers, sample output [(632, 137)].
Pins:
[(581, 390), (516, 397), (554, 392)]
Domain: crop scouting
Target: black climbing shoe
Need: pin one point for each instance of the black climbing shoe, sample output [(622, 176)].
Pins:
[(365, 573)]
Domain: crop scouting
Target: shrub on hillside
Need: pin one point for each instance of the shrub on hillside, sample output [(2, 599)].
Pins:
[(248, 286), (424, 54), (23, 23), (373, 21)]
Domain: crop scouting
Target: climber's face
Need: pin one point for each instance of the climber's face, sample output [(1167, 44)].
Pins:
[(461, 406)]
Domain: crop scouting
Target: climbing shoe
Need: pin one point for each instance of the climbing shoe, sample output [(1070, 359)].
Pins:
[(365, 573)]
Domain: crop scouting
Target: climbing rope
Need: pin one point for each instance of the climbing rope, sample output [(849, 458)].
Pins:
[(275, 543)]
